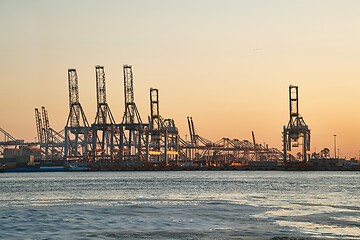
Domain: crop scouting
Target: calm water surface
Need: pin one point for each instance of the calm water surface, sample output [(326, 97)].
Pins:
[(180, 205)]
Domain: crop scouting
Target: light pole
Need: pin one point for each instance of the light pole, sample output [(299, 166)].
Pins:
[(335, 146)]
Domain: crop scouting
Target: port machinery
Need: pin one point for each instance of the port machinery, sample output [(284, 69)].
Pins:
[(132, 142), (107, 144), (51, 142), (106, 134), (225, 151), (296, 135), (8, 140), (162, 136), (78, 136)]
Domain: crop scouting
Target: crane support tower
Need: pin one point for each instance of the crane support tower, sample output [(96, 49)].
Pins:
[(106, 133), (42, 126), (296, 134), (162, 136), (77, 130), (50, 141), (134, 142), (46, 131), (46, 124), (39, 126), (201, 149)]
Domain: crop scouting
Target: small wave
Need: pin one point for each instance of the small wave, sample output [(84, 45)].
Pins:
[(291, 238), (151, 235), (219, 234)]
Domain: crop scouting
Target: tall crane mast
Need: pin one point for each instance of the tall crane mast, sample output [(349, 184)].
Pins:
[(103, 110), (131, 114), (155, 121), (163, 147), (193, 134), (46, 132), (134, 145), (42, 126), (105, 131), (296, 134), (77, 129), (77, 116), (39, 126), (46, 124), (255, 146), (200, 145)]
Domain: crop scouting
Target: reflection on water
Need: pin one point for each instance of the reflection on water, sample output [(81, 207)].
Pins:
[(324, 230), (180, 205)]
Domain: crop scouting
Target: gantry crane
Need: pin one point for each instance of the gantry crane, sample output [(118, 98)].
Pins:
[(162, 135), (106, 133), (54, 140), (39, 127), (77, 130), (41, 133), (134, 142), (200, 148), (296, 134)]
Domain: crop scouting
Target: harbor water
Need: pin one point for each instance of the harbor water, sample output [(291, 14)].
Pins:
[(180, 205)]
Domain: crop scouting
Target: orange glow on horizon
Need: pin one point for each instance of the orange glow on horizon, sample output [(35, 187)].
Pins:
[(228, 66)]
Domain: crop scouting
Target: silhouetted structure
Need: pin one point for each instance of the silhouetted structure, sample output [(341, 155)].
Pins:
[(77, 130), (134, 142), (162, 135), (296, 134), (105, 132)]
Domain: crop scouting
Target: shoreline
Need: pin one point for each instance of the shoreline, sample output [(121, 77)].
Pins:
[(165, 169)]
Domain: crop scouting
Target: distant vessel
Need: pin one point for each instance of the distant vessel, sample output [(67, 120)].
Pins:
[(36, 169), (77, 167)]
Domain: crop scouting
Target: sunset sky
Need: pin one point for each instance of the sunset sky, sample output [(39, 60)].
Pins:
[(228, 64)]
